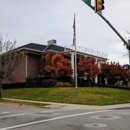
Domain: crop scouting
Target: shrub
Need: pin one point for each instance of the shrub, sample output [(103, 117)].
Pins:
[(63, 84), (40, 82), (13, 85), (64, 79)]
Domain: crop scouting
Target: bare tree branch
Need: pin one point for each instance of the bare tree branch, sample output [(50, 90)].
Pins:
[(9, 59)]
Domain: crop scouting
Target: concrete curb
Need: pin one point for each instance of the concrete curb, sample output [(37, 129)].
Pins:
[(53, 105)]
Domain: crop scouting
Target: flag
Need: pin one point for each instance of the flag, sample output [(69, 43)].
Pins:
[(74, 36)]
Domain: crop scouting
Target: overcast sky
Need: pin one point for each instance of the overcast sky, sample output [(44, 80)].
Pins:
[(38, 21)]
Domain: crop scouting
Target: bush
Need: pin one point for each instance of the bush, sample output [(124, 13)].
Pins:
[(40, 82), (86, 83), (63, 84), (64, 79), (13, 85)]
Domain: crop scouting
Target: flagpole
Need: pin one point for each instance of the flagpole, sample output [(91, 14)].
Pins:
[(75, 68), (74, 43)]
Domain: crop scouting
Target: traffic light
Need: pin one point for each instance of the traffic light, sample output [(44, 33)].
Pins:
[(99, 5)]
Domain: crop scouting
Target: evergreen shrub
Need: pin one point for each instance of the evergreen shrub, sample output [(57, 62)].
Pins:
[(40, 82)]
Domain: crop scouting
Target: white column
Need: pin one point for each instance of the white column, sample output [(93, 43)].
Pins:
[(26, 65), (106, 80), (96, 78), (72, 64)]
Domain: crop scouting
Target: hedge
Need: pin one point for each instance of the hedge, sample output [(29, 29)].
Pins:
[(40, 82), (14, 85)]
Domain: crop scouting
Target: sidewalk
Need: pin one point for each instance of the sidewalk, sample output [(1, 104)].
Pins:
[(76, 106)]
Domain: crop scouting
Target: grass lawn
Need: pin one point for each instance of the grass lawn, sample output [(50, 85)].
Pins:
[(86, 95)]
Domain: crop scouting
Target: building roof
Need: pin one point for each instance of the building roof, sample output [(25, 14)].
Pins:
[(54, 48), (40, 47), (34, 46)]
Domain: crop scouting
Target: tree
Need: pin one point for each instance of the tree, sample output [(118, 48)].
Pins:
[(9, 59), (87, 67), (114, 72), (54, 65)]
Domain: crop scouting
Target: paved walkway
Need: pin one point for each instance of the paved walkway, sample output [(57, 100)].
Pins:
[(76, 106)]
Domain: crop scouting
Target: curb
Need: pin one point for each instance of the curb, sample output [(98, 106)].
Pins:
[(53, 105)]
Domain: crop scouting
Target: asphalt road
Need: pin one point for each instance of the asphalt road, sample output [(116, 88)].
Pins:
[(14, 117)]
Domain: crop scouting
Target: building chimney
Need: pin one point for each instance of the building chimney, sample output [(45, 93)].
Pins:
[(51, 42)]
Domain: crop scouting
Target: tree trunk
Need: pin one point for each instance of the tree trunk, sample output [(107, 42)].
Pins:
[(0, 88), (1, 78)]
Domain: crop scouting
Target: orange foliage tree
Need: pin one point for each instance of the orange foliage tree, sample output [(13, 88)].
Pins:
[(54, 65), (87, 67), (114, 72)]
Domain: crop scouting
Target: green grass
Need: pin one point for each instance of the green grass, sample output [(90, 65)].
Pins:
[(88, 95)]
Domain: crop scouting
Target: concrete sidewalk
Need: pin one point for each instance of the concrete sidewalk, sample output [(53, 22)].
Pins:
[(76, 106)]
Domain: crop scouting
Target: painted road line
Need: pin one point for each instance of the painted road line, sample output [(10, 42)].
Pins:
[(13, 115), (52, 119), (4, 112)]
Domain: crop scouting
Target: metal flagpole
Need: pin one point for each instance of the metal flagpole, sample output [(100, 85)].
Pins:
[(74, 43)]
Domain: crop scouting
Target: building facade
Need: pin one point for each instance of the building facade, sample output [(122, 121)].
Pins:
[(33, 53)]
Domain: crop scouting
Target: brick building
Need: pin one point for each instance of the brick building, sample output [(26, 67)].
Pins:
[(33, 54)]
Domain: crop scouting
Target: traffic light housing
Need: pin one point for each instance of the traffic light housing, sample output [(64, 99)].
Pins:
[(126, 67), (99, 5)]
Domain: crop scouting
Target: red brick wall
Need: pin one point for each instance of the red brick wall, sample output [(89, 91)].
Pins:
[(19, 75), (20, 72), (32, 64)]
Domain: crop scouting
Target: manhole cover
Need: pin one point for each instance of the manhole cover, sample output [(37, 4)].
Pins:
[(105, 117), (95, 125)]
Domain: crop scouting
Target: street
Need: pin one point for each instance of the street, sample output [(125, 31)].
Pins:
[(29, 118)]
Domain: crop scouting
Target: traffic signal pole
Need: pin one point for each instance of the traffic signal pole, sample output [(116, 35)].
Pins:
[(125, 42), (98, 9), (110, 25)]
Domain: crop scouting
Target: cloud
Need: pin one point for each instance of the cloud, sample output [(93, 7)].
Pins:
[(41, 20)]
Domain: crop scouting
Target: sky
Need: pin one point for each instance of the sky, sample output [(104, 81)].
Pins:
[(37, 21)]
